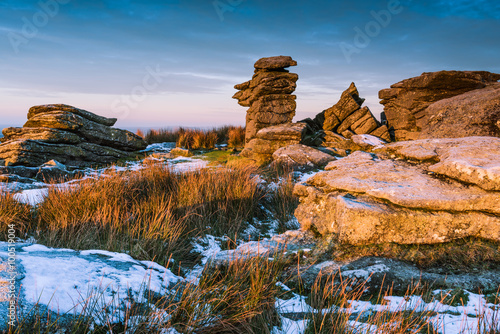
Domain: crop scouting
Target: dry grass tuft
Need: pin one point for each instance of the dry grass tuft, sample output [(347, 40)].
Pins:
[(13, 212), (163, 135), (151, 214), (236, 137), (238, 297)]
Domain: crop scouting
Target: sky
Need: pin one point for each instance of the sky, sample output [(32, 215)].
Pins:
[(167, 63)]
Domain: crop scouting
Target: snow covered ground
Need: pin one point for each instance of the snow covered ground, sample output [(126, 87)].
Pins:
[(65, 280), (36, 192)]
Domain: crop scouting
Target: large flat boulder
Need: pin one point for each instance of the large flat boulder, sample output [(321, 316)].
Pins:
[(92, 131), (33, 153), (474, 160), (271, 138), (368, 198), (36, 110)]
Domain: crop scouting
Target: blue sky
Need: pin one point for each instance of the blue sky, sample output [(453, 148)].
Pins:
[(155, 63)]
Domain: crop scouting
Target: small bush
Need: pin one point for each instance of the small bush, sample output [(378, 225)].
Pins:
[(140, 133), (163, 135), (236, 137)]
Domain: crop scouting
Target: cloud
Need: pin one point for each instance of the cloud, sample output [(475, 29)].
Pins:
[(103, 47)]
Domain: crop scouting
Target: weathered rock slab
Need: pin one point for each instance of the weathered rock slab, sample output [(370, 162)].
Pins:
[(406, 105), (36, 110), (473, 160), (278, 62), (90, 130), (45, 134), (378, 274), (33, 153), (365, 198), (300, 156)]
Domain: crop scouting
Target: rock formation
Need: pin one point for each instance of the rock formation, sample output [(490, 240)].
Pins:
[(268, 94), (72, 136), (272, 107), (475, 113), (407, 104), (347, 118), (423, 191)]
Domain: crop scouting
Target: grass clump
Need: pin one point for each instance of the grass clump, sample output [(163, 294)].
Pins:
[(282, 203), (236, 297), (236, 137), (194, 139), (162, 135), (197, 139), (150, 214), (333, 298), (14, 213), (451, 297)]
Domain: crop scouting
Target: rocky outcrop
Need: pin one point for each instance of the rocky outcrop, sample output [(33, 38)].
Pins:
[(268, 94), (475, 113), (406, 103), (348, 118), (72, 136), (270, 139), (424, 191)]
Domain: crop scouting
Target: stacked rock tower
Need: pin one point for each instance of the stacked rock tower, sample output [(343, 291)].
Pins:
[(268, 94)]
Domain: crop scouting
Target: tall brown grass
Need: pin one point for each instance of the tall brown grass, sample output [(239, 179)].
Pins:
[(140, 133), (236, 297), (197, 139), (163, 135), (236, 137), (151, 214), (282, 201), (13, 212)]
